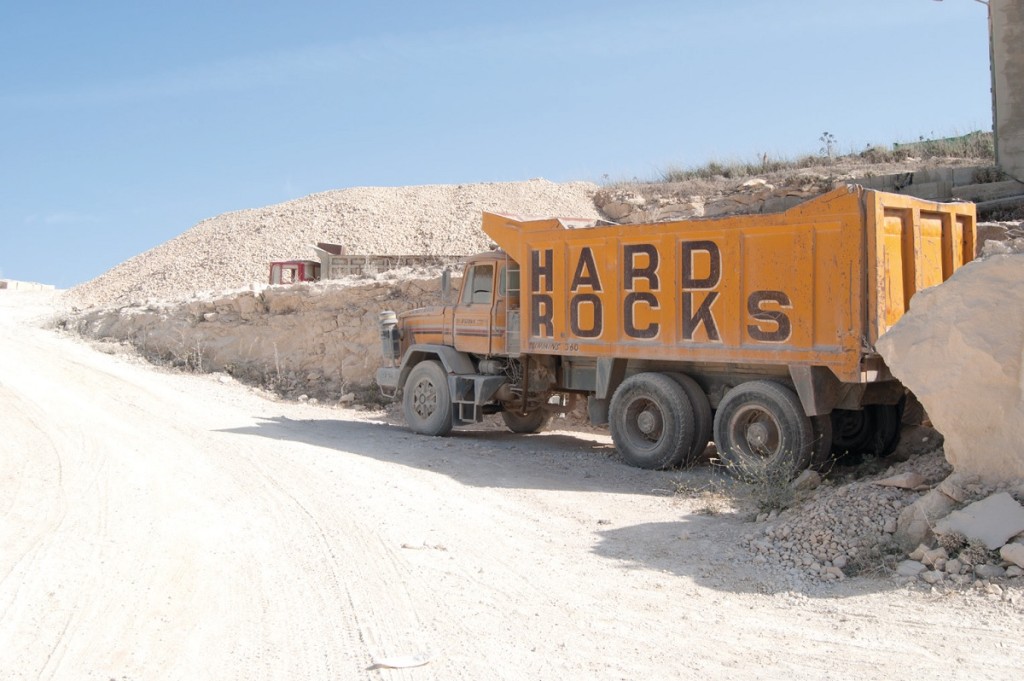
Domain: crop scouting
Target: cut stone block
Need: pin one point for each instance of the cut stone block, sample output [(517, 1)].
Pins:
[(992, 520)]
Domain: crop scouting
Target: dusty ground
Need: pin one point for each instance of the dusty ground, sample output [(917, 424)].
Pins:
[(166, 526)]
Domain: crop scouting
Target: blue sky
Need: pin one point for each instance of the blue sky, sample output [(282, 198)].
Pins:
[(122, 124)]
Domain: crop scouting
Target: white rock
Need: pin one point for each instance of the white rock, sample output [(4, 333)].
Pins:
[(909, 480), (972, 326), (1013, 553), (909, 568), (992, 520), (915, 522), (919, 552), (987, 571), (807, 480), (931, 557), (1014, 571)]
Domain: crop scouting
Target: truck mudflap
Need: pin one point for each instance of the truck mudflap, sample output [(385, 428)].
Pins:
[(387, 380)]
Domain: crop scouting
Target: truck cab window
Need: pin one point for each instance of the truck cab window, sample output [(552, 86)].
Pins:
[(479, 285)]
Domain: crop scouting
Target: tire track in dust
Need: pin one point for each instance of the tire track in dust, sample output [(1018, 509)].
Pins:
[(44, 446), (377, 612)]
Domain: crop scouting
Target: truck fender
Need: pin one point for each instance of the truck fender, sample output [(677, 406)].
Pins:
[(454, 362)]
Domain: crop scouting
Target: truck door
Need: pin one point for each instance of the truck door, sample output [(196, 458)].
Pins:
[(505, 319), (474, 312)]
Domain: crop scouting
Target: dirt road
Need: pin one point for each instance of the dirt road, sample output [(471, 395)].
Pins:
[(165, 526)]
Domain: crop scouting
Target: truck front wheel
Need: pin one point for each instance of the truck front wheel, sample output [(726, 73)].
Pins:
[(762, 432), (651, 421), (427, 401)]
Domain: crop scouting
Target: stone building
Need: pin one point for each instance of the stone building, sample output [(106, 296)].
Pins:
[(1006, 23)]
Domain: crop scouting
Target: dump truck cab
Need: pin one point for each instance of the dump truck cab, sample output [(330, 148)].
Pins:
[(466, 352)]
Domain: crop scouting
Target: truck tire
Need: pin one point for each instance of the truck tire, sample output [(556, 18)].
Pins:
[(651, 421), (533, 422), (762, 433), (426, 400), (852, 431), (703, 419), (888, 420), (871, 431), (821, 430)]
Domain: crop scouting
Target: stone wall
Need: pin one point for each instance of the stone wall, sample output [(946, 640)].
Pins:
[(319, 340)]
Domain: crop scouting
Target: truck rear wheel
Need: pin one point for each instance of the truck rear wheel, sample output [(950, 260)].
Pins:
[(852, 430), (651, 421), (821, 431), (532, 422), (871, 431), (703, 419), (888, 420), (762, 432), (426, 400)]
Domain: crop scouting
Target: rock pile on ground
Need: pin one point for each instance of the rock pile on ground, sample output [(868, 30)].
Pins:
[(981, 540), (844, 530), (851, 529), (233, 250)]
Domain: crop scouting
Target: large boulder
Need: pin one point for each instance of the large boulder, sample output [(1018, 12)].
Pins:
[(960, 350)]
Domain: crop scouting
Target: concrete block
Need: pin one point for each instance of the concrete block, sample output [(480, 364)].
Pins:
[(989, 191)]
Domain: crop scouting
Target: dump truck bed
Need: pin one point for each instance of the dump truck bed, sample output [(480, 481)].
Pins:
[(813, 286)]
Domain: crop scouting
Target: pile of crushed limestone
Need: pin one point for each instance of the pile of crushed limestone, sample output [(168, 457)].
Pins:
[(842, 529), (233, 250)]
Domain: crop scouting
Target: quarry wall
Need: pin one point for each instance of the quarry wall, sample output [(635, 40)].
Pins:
[(314, 339)]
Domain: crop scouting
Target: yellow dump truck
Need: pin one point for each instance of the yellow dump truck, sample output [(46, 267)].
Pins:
[(755, 331)]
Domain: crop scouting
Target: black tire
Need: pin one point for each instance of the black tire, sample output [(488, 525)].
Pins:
[(761, 431), (821, 430), (426, 399), (533, 422), (651, 421), (703, 418), (871, 431), (852, 432), (888, 419)]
